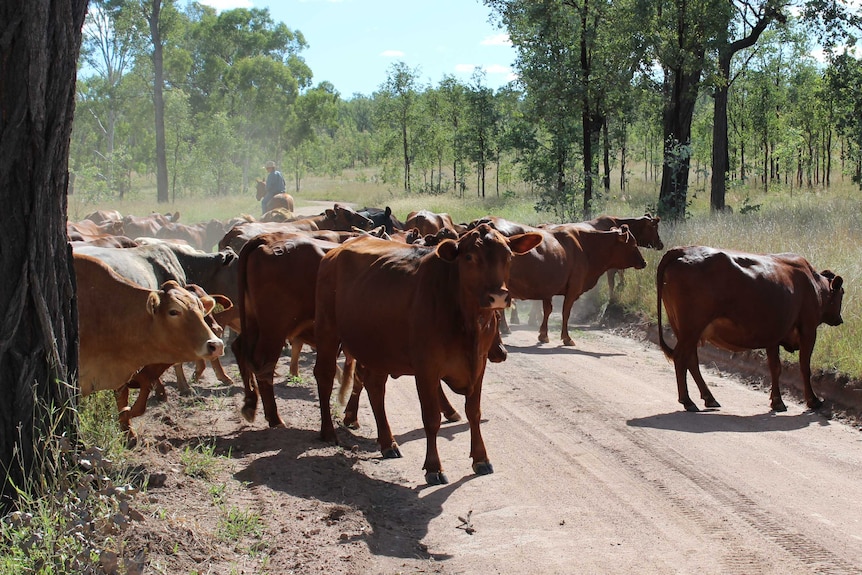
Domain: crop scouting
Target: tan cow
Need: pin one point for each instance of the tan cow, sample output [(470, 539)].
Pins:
[(123, 327)]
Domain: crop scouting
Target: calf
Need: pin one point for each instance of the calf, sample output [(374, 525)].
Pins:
[(444, 301), (740, 301)]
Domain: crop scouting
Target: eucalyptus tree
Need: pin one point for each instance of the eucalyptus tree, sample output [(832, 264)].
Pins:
[(452, 93), (398, 110), (38, 355), (313, 119), (109, 46), (483, 127), (252, 68), (844, 76)]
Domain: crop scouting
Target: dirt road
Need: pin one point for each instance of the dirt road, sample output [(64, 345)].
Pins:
[(597, 470)]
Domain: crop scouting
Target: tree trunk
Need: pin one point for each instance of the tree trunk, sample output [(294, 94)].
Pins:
[(38, 337), (678, 113), (607, 155), (159, 102)]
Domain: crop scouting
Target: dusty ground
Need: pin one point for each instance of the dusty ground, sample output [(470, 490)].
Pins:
[(597, 470)]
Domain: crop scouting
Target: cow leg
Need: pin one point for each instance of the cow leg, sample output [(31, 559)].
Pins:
[(324, 373), (472, 405), (450, 413), (806, 348), (429, 398), (503, 325), (547, 308), (568, 302), (705, 393), (681, 361), (375, 386), (611, 276), (515, 319), (182, 382), (200, 368), (219, 371), (295, 354), (121, 396), (774, 360)]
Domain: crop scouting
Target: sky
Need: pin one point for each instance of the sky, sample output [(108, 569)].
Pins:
[(353, 43)]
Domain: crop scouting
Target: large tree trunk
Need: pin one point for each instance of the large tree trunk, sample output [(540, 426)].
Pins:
[(159, 101), (720, 160), (38, 318), (681, 87)]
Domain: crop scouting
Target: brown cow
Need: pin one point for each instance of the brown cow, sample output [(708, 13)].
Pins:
[(444, 301), (569, 261), (277, 278), (740, 301), (123, 327), (645, 231), (429, 223)]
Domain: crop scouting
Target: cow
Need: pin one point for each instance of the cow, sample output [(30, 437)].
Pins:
[(740, 301), (148, 226), (645, 231), (337, 218), (203, 236), (277, 279), (123, 327), (382, 217), (569, 262), (429, 223), (444, 302), (102, 216)]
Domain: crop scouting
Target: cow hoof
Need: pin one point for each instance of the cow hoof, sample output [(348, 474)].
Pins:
[(544, 339), (350, 421), (436, 478), (277, 423), (248, 413), (690, 406), (188, 392), (712, 403), (227, 381), (815, 403), (161, 396), (391, 453), (352, 425), (568, 341), (778, 407), (452, 417), (483, 468)]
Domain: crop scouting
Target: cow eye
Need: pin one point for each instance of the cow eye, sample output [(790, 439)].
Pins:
[(468, 257), (174, 312)]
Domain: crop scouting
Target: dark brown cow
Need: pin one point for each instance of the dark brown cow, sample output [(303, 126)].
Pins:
[(123, 327), (277, 278), (337, 218), (740, 301), (444, 302), (429, 223), (645, 231)]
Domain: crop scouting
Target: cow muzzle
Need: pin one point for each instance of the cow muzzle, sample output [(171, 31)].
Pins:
[(499, 299), (214, 348)]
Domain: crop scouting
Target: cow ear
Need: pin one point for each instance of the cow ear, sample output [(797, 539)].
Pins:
[(522, 243), (209, 304), (222, 301), (330, 213), (836, 283), (447, 250), (228, 255), (153, 302)]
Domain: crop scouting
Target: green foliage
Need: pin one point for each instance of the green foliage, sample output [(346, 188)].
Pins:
[(200, 460), (239, 523)]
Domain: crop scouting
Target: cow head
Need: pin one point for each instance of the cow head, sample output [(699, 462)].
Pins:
[(831, 313), (647, 236), (484, 256), (343, 218), (629, 254), (178, 317)]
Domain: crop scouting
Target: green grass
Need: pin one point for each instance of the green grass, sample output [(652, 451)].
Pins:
[(238, 523), (201, 460)]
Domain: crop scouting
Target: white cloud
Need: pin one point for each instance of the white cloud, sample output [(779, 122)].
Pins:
[(392, 54), (498, 69), (497, 40), (465, 68)]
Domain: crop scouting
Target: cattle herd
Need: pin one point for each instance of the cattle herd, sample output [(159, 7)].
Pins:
[(152, 294)]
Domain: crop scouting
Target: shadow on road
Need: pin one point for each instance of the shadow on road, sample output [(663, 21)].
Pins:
[(715, 421)]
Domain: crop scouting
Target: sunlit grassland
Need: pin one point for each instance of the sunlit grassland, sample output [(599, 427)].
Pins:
[(822, 225)]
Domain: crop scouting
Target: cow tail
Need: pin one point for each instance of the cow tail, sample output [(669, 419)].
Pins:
[(659, 281), (348, 376)]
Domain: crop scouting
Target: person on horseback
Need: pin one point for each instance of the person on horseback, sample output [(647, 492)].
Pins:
[(274, 185)]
